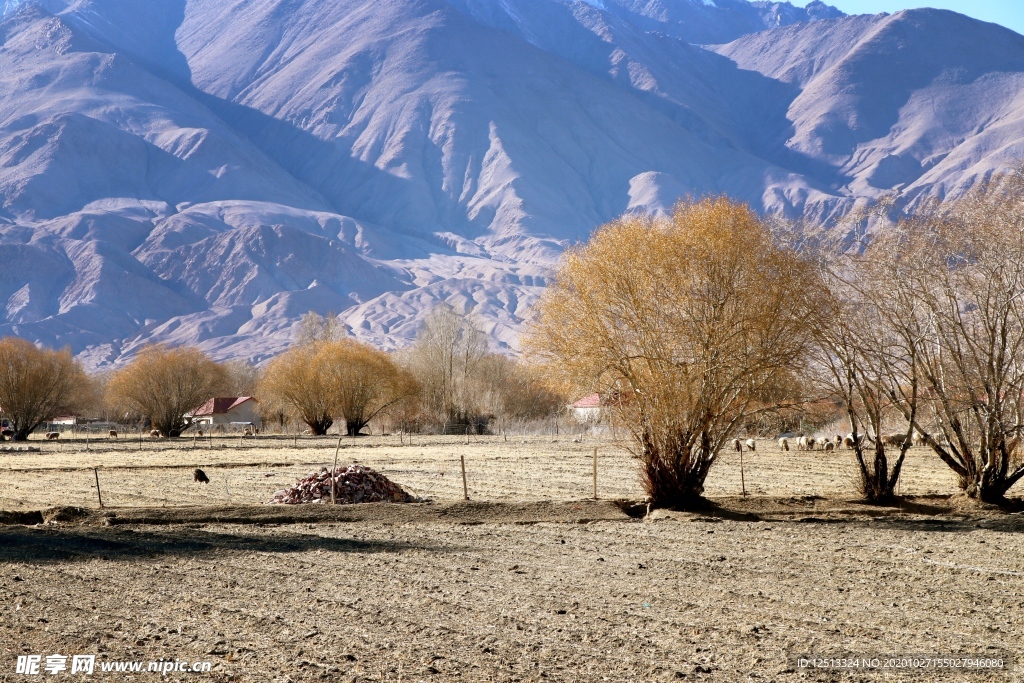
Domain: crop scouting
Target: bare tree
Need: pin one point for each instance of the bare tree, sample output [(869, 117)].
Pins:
[(964, 266), (682, 321), (314, 328), (866, 356), (38, 384), (243, 378), (446, 360), (165, 385), (512, 390)]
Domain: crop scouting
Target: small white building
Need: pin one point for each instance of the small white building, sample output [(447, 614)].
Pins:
[(587, 410), (228, 410)]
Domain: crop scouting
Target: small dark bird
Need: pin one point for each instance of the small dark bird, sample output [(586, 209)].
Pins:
[(200, 476)]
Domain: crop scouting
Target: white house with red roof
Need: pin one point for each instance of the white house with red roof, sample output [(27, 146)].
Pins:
[(587, 409), (229, 410)]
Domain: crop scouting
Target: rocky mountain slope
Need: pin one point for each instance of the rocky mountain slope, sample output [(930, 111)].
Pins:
[(207, 171)]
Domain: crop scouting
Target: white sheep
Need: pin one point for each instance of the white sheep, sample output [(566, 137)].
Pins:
[(751, 445), (737, 445), (783, 444)]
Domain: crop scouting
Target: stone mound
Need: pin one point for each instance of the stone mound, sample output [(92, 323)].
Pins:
[(352, 484)]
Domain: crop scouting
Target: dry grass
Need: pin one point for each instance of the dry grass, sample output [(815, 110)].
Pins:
[(523, 468)]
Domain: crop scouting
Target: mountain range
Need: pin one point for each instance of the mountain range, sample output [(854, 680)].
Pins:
[(207, 171)]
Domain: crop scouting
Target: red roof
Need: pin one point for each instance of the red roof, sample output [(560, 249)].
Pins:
[(219, 406), (591, 401)]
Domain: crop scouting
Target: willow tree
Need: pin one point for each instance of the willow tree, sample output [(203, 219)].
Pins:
[(38, 384), (299, 380), (964, 265), (683, 322), (324, 380), (165, 385), (368, 382), (866, 356)]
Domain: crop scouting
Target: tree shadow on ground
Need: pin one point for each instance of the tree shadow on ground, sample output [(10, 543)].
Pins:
[(41, 546)]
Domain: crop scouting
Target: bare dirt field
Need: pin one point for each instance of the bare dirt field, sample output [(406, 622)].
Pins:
[(527, 582)]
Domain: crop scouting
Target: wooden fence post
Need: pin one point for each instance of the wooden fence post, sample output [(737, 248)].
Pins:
[(99, 495), (335, 468), (465, 488)]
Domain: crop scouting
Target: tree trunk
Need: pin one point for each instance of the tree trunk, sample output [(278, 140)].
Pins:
[(320, 427), (353, 428), (988, 486), (877, 484), (675, 479), (21, 434)]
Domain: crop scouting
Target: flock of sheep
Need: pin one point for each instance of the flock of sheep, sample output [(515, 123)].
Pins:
[(154, 434), (824, 443)]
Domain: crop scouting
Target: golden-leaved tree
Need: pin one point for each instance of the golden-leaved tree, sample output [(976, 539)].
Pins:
[(682, 323), (165, 385), (38, 384), (324, 380)]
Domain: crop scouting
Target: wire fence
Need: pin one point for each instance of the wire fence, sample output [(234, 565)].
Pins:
[(248, 470)]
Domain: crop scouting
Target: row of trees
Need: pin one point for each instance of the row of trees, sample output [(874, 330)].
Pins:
[(446, 381), (447, 378), (709, 320), (923, 329), (694, 326)]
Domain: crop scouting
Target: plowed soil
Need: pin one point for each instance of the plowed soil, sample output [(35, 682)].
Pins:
[(526, 582)]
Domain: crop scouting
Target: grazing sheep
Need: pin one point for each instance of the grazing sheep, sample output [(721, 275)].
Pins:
[(917, 439), (849, 442), (246, 432), (751, 445), (807, 443), (737, 445), (155, 433), (199, 432), (783, 444), (822, 442), (893, 439), (838, 441), (51, 436), (200, 477), (112, 434), (829, 446)]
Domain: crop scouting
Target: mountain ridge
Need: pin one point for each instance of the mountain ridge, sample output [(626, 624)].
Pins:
[(206, 172)]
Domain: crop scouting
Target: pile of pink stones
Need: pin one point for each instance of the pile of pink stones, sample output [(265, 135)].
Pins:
[(352, 484)]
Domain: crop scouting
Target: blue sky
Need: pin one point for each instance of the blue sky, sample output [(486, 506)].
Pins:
[(1006, 12)]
